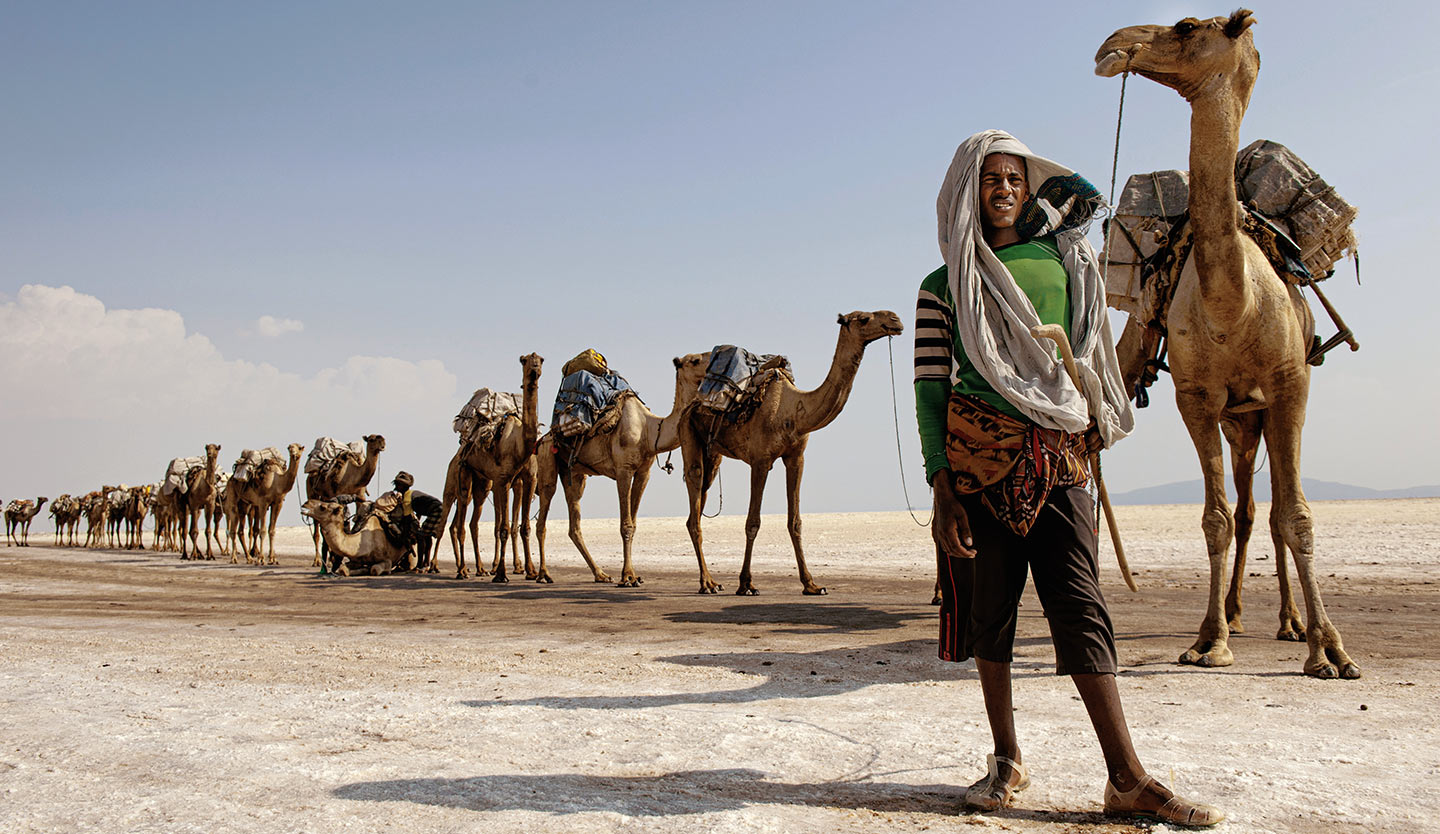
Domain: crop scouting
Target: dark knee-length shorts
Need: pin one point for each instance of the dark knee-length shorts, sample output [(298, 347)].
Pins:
[(981, 595)]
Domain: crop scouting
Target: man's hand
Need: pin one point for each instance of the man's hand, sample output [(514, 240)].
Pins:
[(1094, 443), (951, 527)]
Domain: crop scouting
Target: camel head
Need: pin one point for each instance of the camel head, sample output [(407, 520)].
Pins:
[(867, 327), (212, 450), (323, 511), (1190, 57), (531, 363), (295, 450), (373, 443), (690, 369)]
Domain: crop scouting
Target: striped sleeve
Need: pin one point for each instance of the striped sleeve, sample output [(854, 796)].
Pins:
[(934, 331), (934, 335)]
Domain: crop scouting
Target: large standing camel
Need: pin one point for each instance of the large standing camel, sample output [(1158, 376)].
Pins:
[(499, 464), (1238, 336), (465, 490), (197, 498), (624, 454), (779, 428), (265, 493), (345, 477), (17, 521)]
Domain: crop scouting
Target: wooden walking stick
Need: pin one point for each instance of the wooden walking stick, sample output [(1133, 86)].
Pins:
[(1056, 334)]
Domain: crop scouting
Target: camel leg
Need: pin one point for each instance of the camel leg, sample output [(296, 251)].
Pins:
[(1243, 433), (628, 512), (1212, 646), (209, 522), (315, 535), (1328, 658), (758, 475), (699, 472), (500, 495), (574, 485), (545, 490), (794, 469), (527, 494), (1292, 629), (274, 516), (477, 499)]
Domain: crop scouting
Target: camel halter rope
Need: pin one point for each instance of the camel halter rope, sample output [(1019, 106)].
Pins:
[(895, 410)]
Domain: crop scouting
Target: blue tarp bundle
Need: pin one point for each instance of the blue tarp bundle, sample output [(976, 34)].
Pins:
[(582, 397), (730, 372)]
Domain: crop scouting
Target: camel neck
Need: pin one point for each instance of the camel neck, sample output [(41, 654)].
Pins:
[(666, 437), (818, 407), (530, 417), (1215, 116)]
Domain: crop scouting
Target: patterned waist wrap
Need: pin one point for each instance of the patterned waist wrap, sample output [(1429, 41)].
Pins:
[(1013, 463)]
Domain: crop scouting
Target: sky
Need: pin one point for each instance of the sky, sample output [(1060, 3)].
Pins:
[(256, 224)]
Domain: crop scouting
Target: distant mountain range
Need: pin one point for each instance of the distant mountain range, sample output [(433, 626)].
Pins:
[(1193, 492)]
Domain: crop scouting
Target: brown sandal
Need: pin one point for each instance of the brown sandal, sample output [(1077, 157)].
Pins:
[(991, 793), (1173, 810)]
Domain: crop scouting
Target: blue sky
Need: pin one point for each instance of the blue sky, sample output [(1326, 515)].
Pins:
[(417, 194)]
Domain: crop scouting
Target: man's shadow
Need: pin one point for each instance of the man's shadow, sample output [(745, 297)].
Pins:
[(674, 794)]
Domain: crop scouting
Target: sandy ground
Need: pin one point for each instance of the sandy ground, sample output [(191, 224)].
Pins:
[(140, 693)]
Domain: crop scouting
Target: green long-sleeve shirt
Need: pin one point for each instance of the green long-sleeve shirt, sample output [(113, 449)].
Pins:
[(941, 366)]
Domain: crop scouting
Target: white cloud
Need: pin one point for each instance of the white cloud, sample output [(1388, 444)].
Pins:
[(273, 328), (134, 363)]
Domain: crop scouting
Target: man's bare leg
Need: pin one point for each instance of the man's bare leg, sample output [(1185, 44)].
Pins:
[(1000, 709)]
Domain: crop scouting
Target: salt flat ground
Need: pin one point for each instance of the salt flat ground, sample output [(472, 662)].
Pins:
[(139, 693)]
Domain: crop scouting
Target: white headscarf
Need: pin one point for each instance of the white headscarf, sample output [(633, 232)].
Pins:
[(993, 315)]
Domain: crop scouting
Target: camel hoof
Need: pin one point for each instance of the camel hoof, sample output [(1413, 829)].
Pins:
[(1350, 672), (935, 600), (545, 578), (1290, 634), (747, 591), (500, 578), (1210, 659), (533, 576), (1323, 671), (816, 592), (711, 589), (632, 582), (1235, 626)]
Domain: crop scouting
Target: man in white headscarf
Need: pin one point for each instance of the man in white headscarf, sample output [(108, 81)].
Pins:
[(1005, 434)]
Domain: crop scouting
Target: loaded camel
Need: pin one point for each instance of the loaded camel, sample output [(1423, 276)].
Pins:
[(18, 515), (133, 511), (464, 489), (623, 454), (97, 513), (197, 498), (1238, 337), (369, 550), (779, 428), (66, 511), (499, 464), (344, 476), (265, 493)]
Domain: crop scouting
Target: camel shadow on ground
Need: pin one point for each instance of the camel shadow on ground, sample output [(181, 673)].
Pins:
[(807, 617), (791, 675), (682, 793)]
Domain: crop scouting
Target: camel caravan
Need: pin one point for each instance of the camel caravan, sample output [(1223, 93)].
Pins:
[(1212, 265)]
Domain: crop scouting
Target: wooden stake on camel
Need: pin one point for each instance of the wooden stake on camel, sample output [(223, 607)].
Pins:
[(1056, 334)]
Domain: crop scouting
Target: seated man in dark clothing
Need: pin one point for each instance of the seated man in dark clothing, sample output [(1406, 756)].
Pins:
[(413, 507)]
